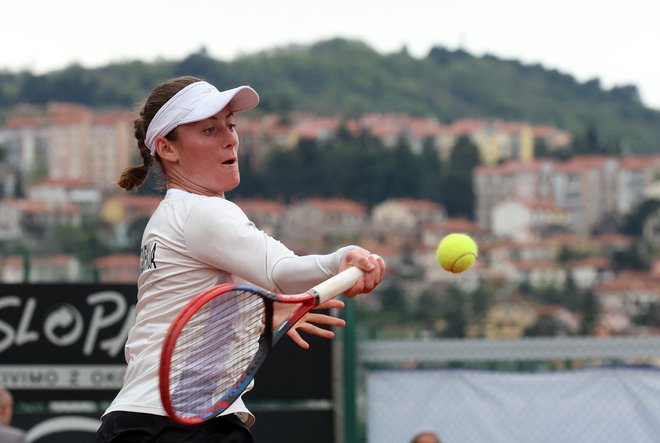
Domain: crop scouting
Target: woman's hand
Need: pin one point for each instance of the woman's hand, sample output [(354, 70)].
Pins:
[(373, 266), (309, 322)]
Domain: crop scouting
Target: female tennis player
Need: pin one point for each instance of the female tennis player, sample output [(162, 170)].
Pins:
[(197, 239)]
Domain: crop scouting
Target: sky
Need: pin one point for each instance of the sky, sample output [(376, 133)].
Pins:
[(615, 42)]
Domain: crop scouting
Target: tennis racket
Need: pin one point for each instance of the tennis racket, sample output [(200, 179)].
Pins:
[(219, 340)]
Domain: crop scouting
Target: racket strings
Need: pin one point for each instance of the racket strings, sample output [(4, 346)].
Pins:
[(213, 350)]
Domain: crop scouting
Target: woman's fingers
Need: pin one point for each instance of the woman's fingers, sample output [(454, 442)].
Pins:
[(323, 319), (297, 339), (309, 322)]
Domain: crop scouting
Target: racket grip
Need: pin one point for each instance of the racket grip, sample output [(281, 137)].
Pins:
[(338, 284)]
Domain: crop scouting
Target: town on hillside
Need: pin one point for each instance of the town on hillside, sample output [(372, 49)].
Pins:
[(554, 257)]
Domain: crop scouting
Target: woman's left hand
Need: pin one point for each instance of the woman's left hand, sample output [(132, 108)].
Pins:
[(311, 321)]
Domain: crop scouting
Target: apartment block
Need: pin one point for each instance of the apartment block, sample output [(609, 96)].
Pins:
[(70, 141), (592, 190)]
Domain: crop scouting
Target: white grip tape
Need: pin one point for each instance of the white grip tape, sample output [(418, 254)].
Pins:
[(338, 284)]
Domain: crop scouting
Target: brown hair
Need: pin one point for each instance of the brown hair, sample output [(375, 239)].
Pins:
[(132, 177)]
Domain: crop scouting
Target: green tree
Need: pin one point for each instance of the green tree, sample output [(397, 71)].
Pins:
[(649, 317), (402, 171), (430, 173), (457, 186), (455, 314), (633, 223), (590, 314), (428, 308), (634, 257), (393, 299), (83, 242), (545, 326), (447, 84)]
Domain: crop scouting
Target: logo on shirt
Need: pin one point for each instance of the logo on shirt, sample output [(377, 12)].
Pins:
[(148, 257)]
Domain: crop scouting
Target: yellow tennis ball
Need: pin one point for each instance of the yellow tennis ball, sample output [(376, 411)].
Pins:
[(457, 253)]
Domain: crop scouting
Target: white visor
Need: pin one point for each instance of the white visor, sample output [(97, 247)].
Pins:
[(195, 102)]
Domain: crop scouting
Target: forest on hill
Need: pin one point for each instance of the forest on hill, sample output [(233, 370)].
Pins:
[(348, 78)]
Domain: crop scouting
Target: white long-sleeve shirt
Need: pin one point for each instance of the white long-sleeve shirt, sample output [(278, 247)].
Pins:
[(193, 242)]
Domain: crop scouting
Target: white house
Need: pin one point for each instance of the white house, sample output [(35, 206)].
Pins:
[(60, 192), (523, 219)]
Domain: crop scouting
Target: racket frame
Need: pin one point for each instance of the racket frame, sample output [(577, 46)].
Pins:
[(267, 340)]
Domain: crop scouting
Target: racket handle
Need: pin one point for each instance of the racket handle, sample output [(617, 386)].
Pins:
[(338, 284)]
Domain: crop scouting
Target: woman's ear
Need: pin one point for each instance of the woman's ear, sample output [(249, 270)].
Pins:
[(166, 150)]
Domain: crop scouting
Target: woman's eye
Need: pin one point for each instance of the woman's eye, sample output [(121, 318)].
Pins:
[(231, 126)]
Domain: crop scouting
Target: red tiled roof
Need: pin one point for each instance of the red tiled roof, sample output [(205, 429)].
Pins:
[(639, 163), (590, 262), (333, 205), (613, 239), (112, 117), (539, 205), (30, 206), (63, 182), (18, 121), (118, 260), (56, 259), (465, 126), (531, 265), (508, 167), (259, 205), (418, 205), (544, 131), (628, 281), (457, 225)]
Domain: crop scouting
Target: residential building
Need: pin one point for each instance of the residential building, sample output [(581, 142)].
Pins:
[(66, 140), (265, 214), (510, 180), (400, 221), (631, 292), (508, 318), (28, 220), (41, 269), (594, 191), (537, 274), (495, 139), (121, 211), (589, 272), (553, 138), (508, 250), (113, 147), (634, 179), (316, 225), (24, 139), (527, 219), (62, 192), (390, 129)]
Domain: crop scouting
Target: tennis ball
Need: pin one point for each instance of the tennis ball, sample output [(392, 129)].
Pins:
[(457, 253)]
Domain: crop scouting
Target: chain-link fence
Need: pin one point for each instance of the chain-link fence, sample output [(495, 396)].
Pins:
[(527, 390)]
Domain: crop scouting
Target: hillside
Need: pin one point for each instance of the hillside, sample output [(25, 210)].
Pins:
[(347, 78)]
